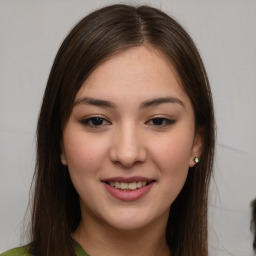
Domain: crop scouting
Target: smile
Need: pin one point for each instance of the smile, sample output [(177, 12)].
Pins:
[(128, 186), (128, 189)]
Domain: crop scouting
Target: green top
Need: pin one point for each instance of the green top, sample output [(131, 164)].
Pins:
[(23, 251)]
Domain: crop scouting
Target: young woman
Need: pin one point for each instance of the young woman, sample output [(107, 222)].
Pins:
[(125, 141)]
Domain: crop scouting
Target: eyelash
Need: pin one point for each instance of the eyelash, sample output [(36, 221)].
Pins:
[(167, 122), (89, 121), (100, 121)]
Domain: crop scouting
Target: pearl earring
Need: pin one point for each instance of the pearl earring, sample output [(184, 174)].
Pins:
[(196, 160)]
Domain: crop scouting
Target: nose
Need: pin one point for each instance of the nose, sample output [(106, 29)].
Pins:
[(127, 147)]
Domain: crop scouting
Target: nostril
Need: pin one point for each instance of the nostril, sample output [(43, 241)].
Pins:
[(127, 160)]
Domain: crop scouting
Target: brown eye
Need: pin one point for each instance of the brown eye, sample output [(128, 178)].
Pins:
[(95, 121), (160, 121)]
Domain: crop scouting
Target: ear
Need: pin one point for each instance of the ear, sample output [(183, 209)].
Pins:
[(196, 150), (63, 159), (63, 155)]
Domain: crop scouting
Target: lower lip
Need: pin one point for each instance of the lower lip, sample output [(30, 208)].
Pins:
[(128, 195)]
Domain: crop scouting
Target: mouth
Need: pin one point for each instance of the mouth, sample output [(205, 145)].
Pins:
[(127, 186)]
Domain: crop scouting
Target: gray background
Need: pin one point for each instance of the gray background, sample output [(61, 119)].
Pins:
[(224, 31)]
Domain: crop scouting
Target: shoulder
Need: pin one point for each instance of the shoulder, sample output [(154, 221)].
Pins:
[(20, 251), (23, 251)]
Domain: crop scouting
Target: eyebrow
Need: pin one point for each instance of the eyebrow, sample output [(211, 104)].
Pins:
[(144, 104), (158, 101), (94, 102)]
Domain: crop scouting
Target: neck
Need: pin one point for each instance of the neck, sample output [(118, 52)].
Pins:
[(98, 238)]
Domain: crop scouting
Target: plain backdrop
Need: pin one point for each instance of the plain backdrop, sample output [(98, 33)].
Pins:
[(224, 31)]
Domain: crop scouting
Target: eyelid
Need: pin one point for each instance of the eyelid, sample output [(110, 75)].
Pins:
[(85, 121), (168, 121)]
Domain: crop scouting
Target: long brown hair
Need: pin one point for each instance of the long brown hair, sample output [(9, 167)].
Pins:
[(103, 33)]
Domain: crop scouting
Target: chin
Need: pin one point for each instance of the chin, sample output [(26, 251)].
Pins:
[(129, 225), (135, 220)]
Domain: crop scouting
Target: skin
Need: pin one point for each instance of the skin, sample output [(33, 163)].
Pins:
[(128, 140)]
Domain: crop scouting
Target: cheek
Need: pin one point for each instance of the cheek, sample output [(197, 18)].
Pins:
[(172, 159), (84, 154), (172, 156), (85, 157), (173, 149)]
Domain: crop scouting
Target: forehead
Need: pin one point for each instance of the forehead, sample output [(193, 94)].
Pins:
[(141, 71)]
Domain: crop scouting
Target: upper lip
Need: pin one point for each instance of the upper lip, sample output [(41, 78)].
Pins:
[(128, 179)]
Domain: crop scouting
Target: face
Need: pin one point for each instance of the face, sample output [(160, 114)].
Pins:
[(130, 140)]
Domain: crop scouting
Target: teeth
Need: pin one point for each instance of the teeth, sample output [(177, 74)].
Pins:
[(139, 184), (128, 186), (132, 186), (117, 184), (124, 185)]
